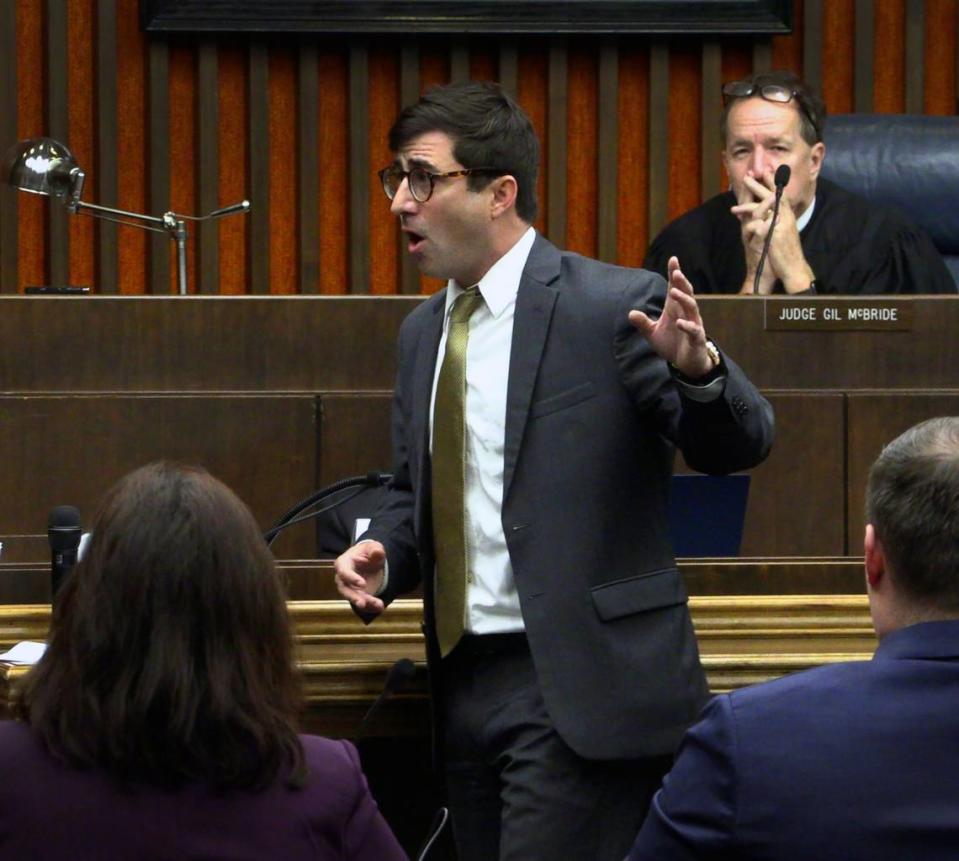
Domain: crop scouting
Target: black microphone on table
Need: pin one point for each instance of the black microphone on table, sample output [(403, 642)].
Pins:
[(64, 532), (780, 181), (397, 677)]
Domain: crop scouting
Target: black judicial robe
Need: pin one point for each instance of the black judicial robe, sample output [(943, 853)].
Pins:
[(853, 246)]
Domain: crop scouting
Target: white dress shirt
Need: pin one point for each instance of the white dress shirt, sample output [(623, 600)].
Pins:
[(492, 604)]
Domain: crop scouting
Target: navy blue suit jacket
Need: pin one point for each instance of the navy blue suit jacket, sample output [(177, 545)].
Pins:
[(849, 762)]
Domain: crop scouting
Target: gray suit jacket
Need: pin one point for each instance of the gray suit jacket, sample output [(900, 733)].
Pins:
[(592, 420)]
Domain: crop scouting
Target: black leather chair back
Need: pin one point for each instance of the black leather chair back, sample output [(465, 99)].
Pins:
[(909, 161)]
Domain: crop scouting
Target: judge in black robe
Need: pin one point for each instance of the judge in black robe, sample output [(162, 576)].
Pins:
[(853, 246)]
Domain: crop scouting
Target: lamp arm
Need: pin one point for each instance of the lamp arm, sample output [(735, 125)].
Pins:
[(82, 210), (93, 208)]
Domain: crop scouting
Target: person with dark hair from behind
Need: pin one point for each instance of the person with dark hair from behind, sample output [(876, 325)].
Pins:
[(855, 761), (826, 239), (161, 721)]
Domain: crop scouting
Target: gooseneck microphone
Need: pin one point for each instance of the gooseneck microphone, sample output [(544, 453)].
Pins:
[(780, 181), (63, 531), (355, 484), (397, 677)]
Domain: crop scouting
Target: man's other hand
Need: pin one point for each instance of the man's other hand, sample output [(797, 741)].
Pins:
[(359, 573)]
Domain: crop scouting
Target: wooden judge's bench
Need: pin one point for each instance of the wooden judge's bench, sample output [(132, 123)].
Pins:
[(278, 396)]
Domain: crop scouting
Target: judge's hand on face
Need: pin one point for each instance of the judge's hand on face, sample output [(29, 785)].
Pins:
[(786, 261), (678, 335), (359, 573)]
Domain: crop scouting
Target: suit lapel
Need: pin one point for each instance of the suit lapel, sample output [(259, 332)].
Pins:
[(534, 310), (423, 377)]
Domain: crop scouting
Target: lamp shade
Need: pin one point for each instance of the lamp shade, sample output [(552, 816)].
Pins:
[(42, 166)]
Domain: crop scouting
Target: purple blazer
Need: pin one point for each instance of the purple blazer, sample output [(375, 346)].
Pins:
[(51, 811)]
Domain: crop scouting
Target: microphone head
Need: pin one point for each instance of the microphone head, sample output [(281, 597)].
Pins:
[(399, 675), (781, 179), (63, 527)]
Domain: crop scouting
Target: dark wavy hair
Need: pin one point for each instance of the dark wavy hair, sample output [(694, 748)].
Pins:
[(488, 129), (912, 501), (170, 657)]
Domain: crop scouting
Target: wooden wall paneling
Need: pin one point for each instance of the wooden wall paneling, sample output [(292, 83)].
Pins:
[(132, 152), (924, 357), (359, 159), (533, 93), (583, 149), (787, 50), (484, 60), (208, 160), (233, 150), (58, 127), (97, 344), (384, 233), (796, 502), (556, 146), (939, 54), (632, 187), (762, 54), (509, 66), (262, 446), (838, 40), (184, 161), (9, 82), (685, 126), (32, 210), (864, 54), (710, 108), (608, 150), (107, 182), (81, 123), (459, 60), (812, 70), (258, 105), (409, 93), (658, 149), (308, 167), (284, 178), (797, 497), (889, 57), (334, 160), (354, 435), (875, 419), (915, 45), (158, 164)]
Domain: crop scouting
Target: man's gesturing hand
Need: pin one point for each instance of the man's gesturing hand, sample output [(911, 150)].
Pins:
[(359, 575), (678, 335)]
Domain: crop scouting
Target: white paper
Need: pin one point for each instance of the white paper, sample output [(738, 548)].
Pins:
[(26, 652)]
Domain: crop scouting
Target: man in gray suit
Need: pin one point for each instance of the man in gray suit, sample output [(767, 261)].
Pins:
[(534, 427)]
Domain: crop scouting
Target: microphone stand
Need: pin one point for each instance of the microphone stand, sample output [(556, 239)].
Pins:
[(781, 180)]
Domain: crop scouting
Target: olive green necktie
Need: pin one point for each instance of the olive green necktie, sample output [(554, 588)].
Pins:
[(449, 476)]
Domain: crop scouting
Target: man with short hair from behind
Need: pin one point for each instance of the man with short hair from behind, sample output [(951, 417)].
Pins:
[(826, 239), (853, 761)]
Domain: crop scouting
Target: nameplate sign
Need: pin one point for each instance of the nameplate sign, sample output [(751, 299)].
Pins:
[(838, 315)]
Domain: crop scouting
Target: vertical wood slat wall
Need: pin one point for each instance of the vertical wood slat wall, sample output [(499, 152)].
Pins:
[(297, 125)]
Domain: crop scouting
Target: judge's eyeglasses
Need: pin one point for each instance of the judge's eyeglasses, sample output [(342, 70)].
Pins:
[(771, 93)]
